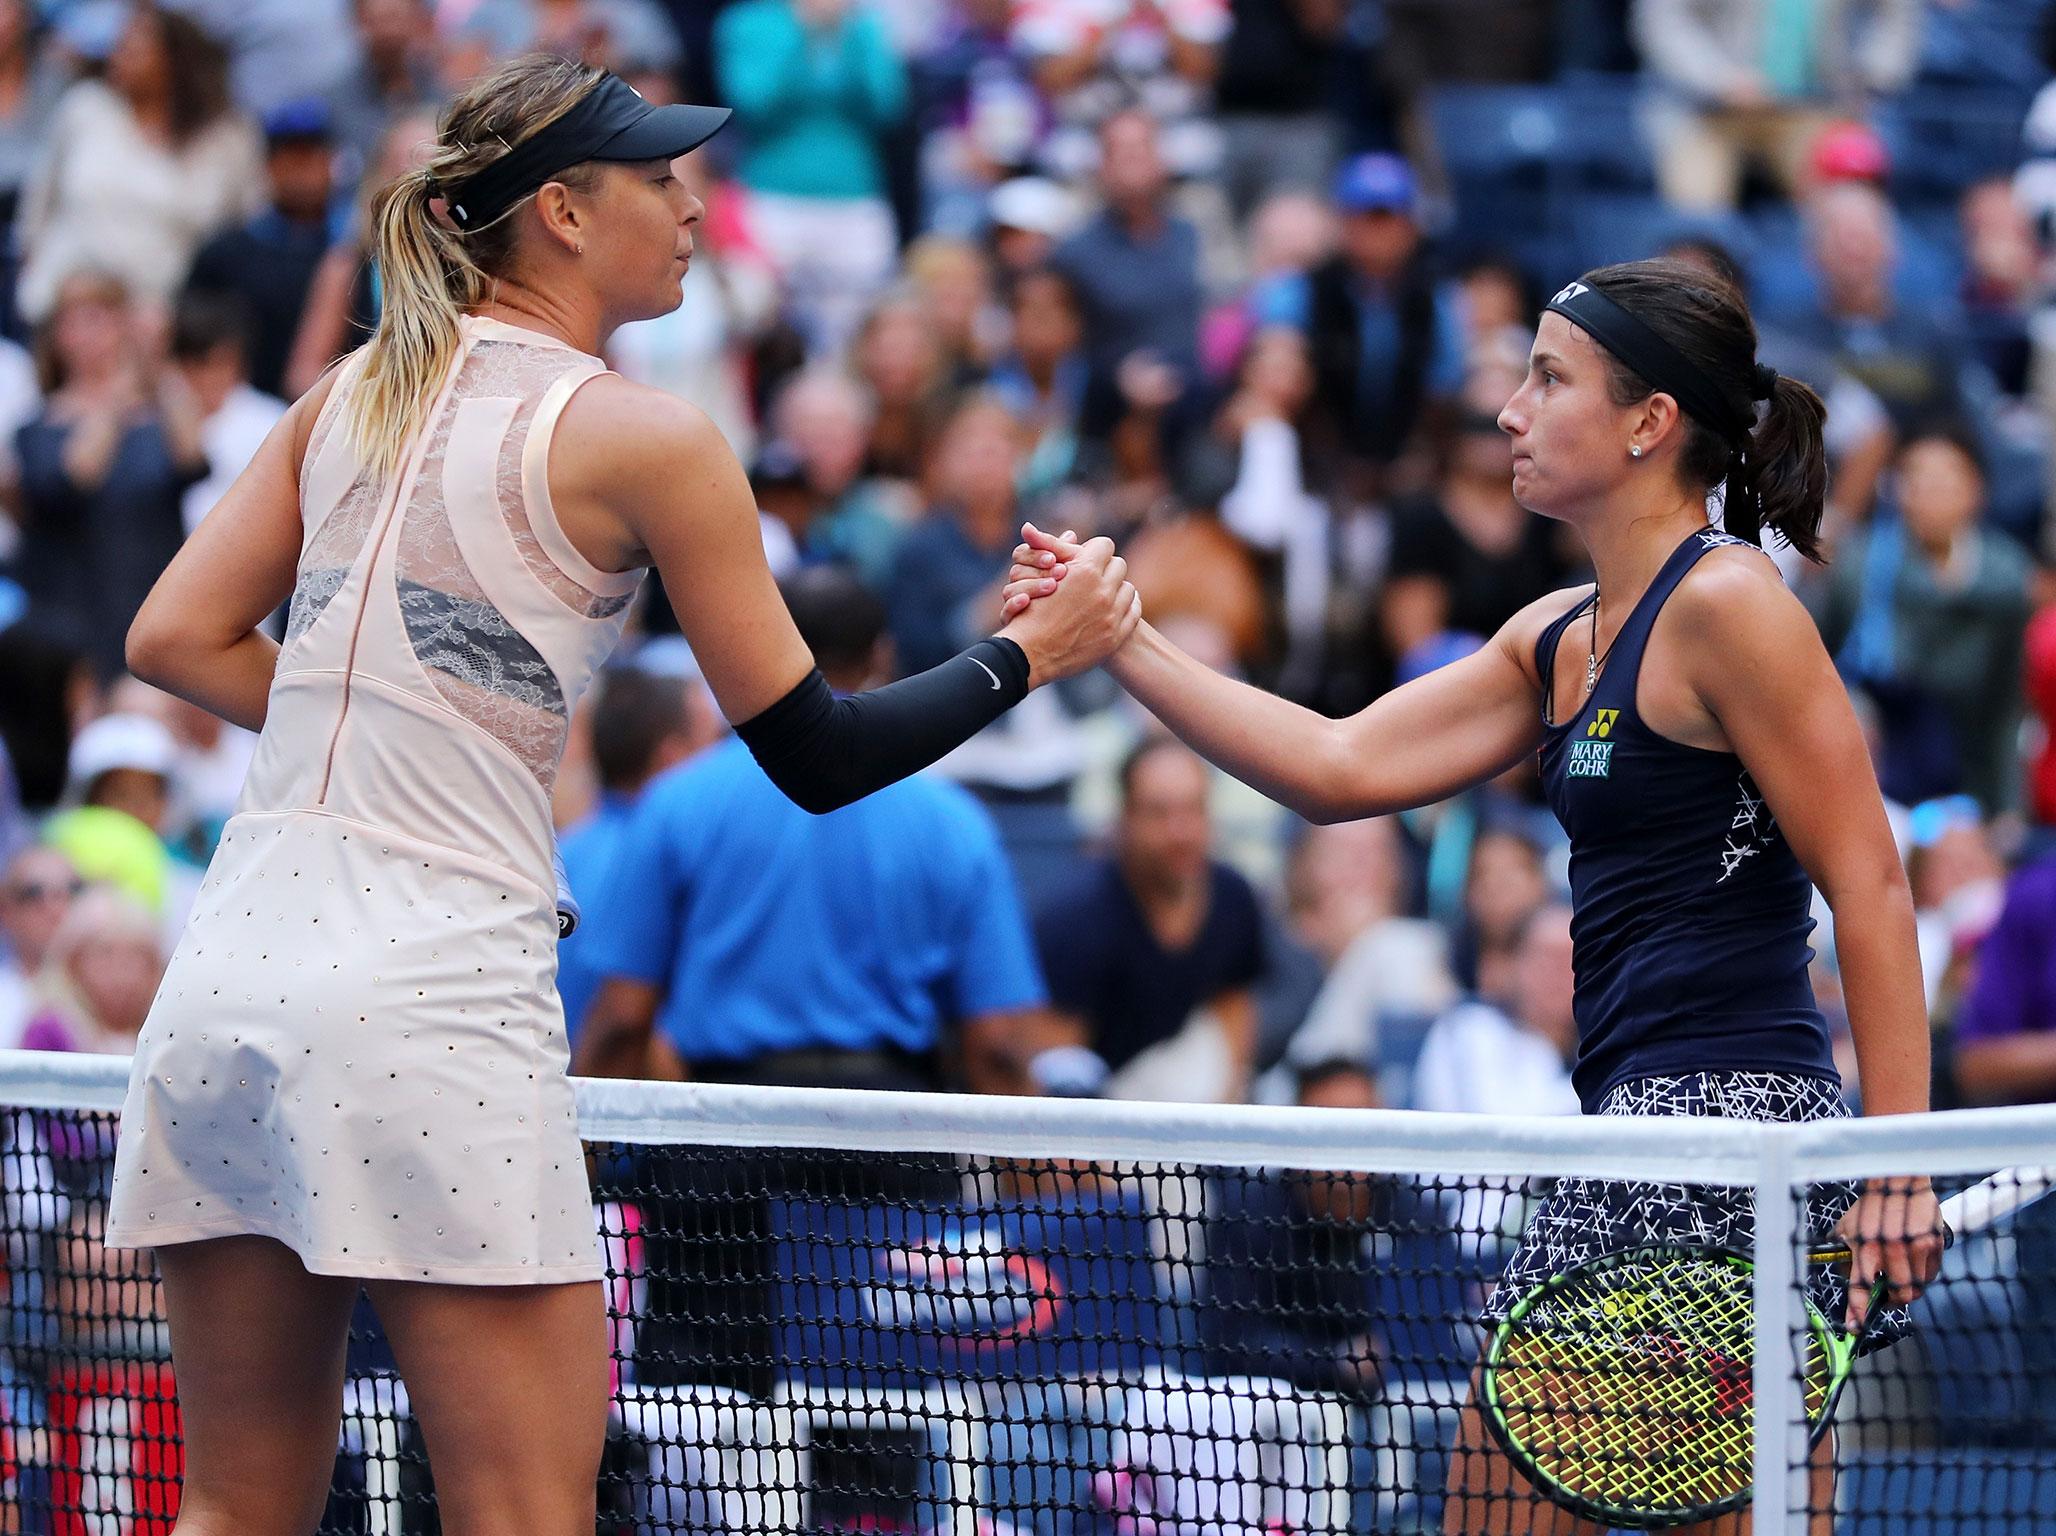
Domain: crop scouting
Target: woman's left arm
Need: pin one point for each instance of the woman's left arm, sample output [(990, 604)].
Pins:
[(196, 635), (1758, 664)]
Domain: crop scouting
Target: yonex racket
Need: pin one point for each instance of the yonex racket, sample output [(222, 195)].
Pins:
[(1623, 1388)]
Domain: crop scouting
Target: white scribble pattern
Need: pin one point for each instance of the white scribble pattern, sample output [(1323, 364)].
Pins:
[(1751, 830), (1582, 1219)]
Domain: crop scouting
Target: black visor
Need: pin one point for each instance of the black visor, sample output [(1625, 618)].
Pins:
[(611, 122)]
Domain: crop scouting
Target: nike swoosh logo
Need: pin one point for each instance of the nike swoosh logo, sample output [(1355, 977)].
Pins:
[(982, 667)]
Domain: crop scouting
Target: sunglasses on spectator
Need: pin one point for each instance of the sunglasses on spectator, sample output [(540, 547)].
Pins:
[(40, 890)]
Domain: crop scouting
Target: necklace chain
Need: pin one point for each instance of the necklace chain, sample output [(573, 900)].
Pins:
[(1593, 655)]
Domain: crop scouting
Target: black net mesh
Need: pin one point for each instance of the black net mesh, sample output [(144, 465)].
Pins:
[(826, 1341), (1947, 1420)]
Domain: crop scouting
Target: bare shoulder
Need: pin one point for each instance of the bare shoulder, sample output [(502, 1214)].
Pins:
[(305, 411), (1519, 635), (619, 431), (1740, 636), (1734, 595), (636, 469)]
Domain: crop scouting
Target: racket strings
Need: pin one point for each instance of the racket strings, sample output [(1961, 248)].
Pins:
[(1631, 1386)]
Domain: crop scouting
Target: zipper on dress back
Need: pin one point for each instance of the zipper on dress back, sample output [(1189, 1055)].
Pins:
[(402, 492)]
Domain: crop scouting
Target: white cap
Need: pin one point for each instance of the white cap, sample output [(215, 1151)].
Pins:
[(120, 741), (1032, 203)]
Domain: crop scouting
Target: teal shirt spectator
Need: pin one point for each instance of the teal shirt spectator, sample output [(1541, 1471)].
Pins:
[(812, 102)]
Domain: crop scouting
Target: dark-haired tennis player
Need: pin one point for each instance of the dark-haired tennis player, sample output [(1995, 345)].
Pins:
[(1699, 750), (354, 1072)]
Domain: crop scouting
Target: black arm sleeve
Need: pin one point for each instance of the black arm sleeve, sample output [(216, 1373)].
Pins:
[(824, 752)]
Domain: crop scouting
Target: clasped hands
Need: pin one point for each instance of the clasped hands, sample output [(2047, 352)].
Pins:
[(1069, 606)]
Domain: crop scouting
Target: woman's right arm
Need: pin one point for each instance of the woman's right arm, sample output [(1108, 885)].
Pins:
[(1457, 726), (649, 480)]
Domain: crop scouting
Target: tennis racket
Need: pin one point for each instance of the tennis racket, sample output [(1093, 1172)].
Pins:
[(1623, 1388)]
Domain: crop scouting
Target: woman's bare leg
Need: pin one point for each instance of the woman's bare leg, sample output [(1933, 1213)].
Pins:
[(1489, 1497), (258, 1347), (1820, 1502), (509, 1384)]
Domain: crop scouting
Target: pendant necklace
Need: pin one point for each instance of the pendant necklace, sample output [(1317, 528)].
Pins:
[(1593, 655)]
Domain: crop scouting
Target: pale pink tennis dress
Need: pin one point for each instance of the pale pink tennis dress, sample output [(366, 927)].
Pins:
[(358, 1048)]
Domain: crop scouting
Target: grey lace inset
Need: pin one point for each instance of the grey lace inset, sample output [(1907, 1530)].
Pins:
[(473, 643), (473, 655), (311, 595)]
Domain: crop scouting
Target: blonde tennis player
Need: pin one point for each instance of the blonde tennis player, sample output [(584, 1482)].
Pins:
[(355, 1071)]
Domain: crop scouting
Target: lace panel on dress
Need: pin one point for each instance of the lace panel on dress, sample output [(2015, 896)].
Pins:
[(480, 663), (324, 427), (514, 508), (331, 553)]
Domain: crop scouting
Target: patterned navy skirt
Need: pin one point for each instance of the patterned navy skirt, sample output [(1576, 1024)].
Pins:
[(1582, 1219)]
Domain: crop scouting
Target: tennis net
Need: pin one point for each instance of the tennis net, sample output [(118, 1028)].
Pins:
[(942, 1316)]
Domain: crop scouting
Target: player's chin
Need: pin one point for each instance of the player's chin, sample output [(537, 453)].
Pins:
[(1532, 493), (664, 295)]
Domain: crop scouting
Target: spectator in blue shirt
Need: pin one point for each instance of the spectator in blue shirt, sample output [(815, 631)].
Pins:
[(643, 722), (1387, 338), (268, 263), (878, 946), (951, 565)]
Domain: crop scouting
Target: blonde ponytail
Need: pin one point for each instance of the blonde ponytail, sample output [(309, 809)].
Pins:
[(429, 272), (424, 285)]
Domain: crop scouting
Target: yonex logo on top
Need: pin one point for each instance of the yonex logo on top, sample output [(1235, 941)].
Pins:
[(1603, 725)]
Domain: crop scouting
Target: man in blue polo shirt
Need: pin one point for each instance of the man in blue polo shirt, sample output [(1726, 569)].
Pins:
[(881, 945), (646, 716)]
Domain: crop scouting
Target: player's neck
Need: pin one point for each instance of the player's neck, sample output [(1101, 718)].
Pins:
[(1628, 550), (570, 319)]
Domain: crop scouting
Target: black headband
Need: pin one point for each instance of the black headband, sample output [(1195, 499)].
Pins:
[(610, 122), (1659, 363)]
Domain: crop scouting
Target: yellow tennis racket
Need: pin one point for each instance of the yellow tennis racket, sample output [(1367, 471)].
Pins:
[(1623, 1388)]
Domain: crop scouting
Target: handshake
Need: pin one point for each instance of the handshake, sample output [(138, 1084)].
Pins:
[(1069, 606)]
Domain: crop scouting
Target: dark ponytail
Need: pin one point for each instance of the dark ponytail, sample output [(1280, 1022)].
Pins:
[(1775, 477), (1780, 480)]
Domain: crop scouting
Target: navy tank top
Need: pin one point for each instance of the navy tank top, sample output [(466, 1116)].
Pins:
[(1691, 915)]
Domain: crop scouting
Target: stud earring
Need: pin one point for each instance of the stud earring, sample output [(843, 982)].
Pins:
[(1634, 450)]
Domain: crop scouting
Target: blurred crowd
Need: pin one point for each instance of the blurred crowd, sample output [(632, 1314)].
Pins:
[(1243, 283)]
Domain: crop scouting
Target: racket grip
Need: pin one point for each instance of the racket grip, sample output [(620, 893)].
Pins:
[(1839, 1252)]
